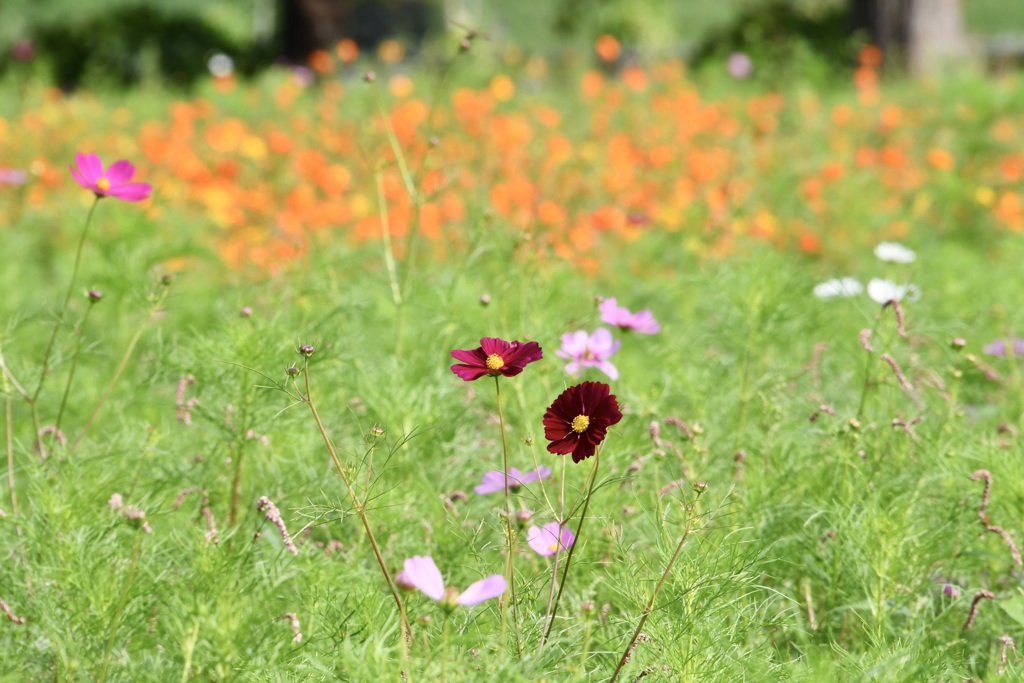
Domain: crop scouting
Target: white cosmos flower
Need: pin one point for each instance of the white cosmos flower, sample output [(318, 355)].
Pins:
[(881, 291), (847, 286), (894, 252)]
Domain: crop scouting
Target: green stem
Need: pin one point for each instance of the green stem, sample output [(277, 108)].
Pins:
[(158, 300), (64, 306), (74, 365), (510, 570), (444, 649), (572, 548), (121, 603), (236, 484), (867, 372), (361, 511), (649, 607)]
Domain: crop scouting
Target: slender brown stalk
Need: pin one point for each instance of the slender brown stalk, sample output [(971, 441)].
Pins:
[(510, 570), (361, 511), (572, 548), (649, 607)]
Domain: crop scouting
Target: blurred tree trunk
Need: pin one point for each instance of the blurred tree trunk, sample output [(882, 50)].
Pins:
[(308, 25), (926, 35)]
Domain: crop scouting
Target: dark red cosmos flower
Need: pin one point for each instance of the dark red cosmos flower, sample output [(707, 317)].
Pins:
[(495, 357), (578, 420)]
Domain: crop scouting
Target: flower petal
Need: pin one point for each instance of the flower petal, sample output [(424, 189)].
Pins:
[(423, 573), (130, 192), (484, 589), (120, 172), (90, 166), (491, 482), (468, 373)]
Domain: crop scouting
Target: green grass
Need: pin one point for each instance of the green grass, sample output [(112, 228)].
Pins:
[(821, 556)]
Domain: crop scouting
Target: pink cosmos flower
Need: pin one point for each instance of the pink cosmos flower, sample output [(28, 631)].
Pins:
[(422, 573), (641, 321), (495, 357), (494, 480), (115, 181), (13, 176), (544, 540), (589, 351)]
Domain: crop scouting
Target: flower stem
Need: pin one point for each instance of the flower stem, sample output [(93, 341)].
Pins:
[(572, 548), (510, 570), (444, 649), (649, 607), (64, 306), (74, 365), (361, 511), (121, 603), (867, 372), (158, 299)]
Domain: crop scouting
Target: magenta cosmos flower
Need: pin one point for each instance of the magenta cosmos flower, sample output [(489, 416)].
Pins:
[(578, 420), (621, 317), (422, 573), (494, 480), (589, 351), (495, 357), (544, 539), (115, 181)]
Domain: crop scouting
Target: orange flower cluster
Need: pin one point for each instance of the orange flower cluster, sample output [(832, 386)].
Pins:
[(272, 171)]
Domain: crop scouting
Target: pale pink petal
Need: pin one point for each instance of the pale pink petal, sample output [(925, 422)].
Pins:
[(484, 589), (424, 574), (541, 540), (608, 369), (541, 472), (492, 482), (574, 344), (602, 344)]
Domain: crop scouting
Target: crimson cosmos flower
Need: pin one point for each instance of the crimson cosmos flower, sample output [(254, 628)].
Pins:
[(495, 357), (578, 420)]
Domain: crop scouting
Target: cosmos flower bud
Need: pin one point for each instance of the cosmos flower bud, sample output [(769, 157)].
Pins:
[(307, 350), (245, 312), (94, 295), (523, 518)]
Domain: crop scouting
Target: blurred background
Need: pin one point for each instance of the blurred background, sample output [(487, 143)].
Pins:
[(119, 43)]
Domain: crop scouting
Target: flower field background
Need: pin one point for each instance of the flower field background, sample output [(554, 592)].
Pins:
[(244, 453)]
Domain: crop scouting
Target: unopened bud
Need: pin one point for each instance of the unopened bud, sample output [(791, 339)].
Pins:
[(376, 431), (292, 371), (245, 312), (958, 343), (700, 487), (523, 518), (485, 299), (307, 350), (94, 295), (369, 77)]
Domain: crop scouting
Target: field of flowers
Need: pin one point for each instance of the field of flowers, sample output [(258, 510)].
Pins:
[(513, 369)]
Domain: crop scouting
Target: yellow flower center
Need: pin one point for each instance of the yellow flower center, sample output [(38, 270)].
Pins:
[(553, 547), (102, 184), (580, 423), (494, 362)]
